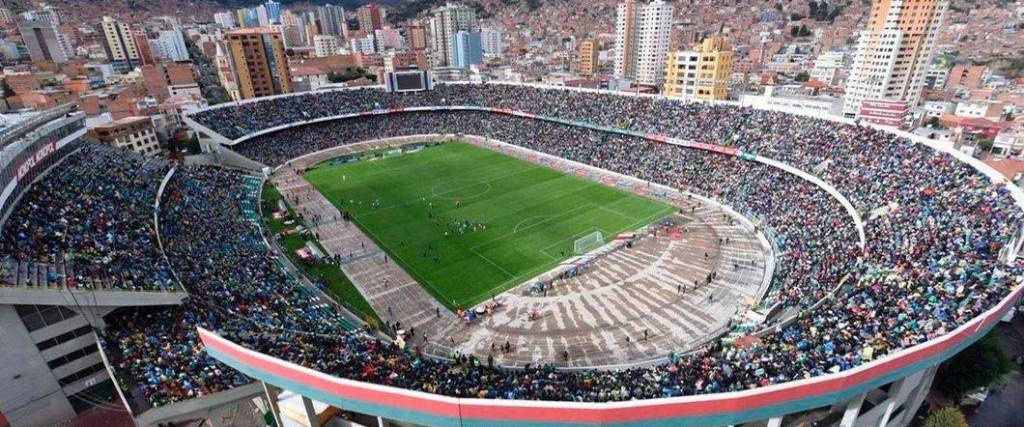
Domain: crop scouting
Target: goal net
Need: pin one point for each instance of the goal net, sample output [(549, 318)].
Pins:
[(588, 243)]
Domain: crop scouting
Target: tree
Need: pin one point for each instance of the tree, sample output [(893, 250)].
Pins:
[(980, 365), (950, 416), (985, 144), (349, 74), (933, 122), (802, 77)]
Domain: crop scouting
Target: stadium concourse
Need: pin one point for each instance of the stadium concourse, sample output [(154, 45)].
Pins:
[(657, 293)]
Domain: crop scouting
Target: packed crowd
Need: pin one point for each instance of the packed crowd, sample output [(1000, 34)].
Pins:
[(233, 284), (816, 250), (95, 212), (935, 226), (932, 263)]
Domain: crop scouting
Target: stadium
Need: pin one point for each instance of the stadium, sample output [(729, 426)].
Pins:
[(501, 254)]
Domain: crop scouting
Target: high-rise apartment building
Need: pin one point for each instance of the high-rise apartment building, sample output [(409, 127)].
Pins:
[(417, 36), (371, 18), (240, 18), (170, 45), (273, 10), (714, 69), (642, 36), (468, 50), (702, 74), (491, 42), (681, 74), (324, 45), (42, 41), (444, 25), (224, 19), (121, 46), (365, 45), (142, 44), (293, 28), (588, 57), (332, 20), (388, 38), (893, 52), (258, 59)]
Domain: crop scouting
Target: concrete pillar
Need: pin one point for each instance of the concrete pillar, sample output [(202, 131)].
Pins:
[(775, 422), (852, 411), (916, 398), (271, 394), (307, 404)]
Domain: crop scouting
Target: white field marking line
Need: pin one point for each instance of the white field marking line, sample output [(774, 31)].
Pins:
[(379, 170), (492, 262), (550, 217), (393, 254), (433, 190), (666, 210), (573, 237), (415, 200), (613, 211), (516, 228), (546, 267)]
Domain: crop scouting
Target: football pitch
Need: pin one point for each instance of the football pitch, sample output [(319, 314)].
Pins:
[(469, 223)]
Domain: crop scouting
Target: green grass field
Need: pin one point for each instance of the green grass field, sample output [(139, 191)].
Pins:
[(518, 220)]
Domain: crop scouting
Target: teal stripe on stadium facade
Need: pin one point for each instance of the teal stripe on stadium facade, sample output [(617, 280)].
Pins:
[(382, 409)]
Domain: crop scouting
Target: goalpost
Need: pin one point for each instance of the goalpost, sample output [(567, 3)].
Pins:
[(588, 243)]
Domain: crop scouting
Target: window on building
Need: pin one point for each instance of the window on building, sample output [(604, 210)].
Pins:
[(81, 374), (40, 316), (72, 356), (65, 337)]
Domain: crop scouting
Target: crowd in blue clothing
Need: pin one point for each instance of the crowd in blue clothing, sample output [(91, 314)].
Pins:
[(935, 229), (93, 213)]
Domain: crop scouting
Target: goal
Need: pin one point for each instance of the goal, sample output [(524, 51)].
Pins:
[(588, 243)]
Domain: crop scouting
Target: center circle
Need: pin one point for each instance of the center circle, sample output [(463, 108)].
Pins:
[(460, 188)]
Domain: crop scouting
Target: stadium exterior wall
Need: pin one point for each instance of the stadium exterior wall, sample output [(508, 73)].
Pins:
[(713, 409)]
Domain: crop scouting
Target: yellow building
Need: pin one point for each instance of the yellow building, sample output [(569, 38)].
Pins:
[(704, 74), (258, 74), (588, 57)]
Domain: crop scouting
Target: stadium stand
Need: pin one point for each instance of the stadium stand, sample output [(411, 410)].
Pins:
[(940, 239)]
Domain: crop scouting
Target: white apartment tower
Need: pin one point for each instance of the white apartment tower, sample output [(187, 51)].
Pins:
[(893, 52), (445, 23), (225, 19), (490, 41), (642, 37), (324, 45)]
